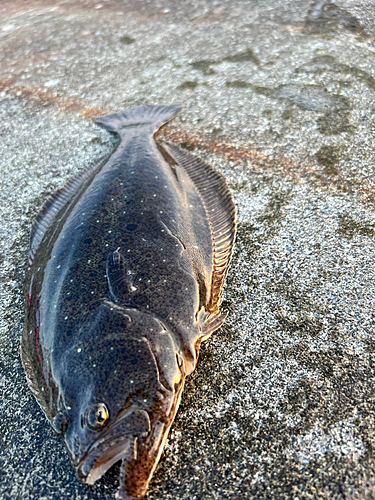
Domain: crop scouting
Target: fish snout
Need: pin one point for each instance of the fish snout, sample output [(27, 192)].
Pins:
[(73, 444), (77, 444)]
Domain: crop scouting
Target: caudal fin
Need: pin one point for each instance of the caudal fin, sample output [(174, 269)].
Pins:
[(153, 115)]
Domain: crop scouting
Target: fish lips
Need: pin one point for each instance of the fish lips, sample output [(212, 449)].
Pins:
[(118, 443)]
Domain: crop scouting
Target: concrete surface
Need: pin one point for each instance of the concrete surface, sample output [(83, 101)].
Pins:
[(278, 95)]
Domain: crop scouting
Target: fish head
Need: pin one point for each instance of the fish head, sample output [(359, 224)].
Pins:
[(118, 397)]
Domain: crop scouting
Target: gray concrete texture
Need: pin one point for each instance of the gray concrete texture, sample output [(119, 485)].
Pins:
[(278, 96)]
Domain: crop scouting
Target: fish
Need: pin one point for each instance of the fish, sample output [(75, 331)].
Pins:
[(126, 269)]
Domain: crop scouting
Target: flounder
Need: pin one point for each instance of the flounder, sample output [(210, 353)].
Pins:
[(127, 264)]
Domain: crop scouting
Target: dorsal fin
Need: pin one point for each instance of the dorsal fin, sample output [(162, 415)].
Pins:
[(221, 214), (56, 202)]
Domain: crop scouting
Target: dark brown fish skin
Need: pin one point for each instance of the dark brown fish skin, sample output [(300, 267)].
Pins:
[(117, 301)]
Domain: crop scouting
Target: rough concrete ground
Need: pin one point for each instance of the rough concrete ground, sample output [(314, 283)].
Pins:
[(278, 95)]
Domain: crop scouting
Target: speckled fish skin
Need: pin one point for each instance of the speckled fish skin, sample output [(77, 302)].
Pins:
[(126, 269)]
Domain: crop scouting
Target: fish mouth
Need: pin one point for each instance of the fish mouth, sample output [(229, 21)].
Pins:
[(115, 452), (118, 443)]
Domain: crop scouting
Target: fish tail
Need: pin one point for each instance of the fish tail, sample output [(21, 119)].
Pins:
[(148, 115)]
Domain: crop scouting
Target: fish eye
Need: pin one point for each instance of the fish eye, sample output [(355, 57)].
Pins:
[(97, 416)]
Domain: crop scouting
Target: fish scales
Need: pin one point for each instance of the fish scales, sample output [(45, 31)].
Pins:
[(126, 269)]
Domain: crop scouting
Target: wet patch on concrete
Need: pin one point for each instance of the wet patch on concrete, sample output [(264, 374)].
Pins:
[(274, 210), (239, 84), (189, 84), (328, 157), (350, 227), (204, 65), (127, 40), (287, 114), (297, 312), (247, 55), (259, 89), (336, 119), (310, 97), (327, 63), (335, 122), (245, 237), (326, 18), (300, 323), (337, 372), (267, 113)]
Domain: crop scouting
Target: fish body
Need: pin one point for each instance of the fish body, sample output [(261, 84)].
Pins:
[(126, 269)]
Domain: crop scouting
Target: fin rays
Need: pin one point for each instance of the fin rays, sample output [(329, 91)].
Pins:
[(221, 214)]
